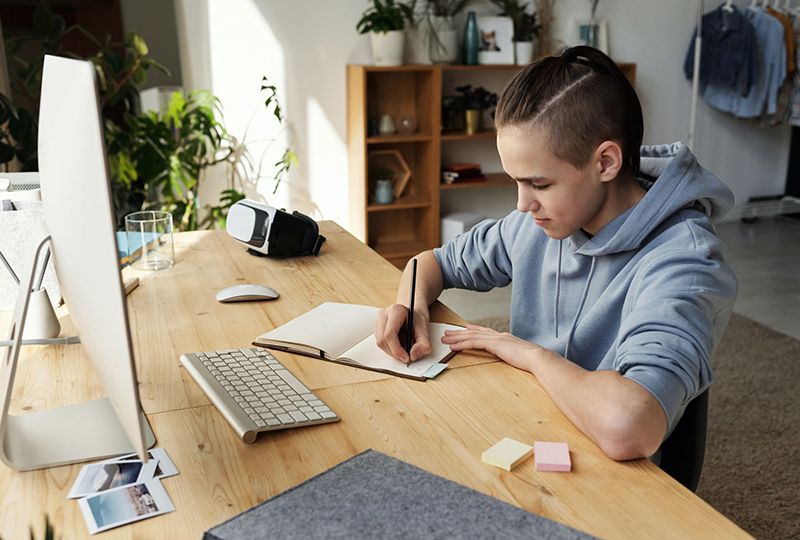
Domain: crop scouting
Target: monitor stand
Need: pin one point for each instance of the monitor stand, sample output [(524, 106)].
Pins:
[(70, 434)]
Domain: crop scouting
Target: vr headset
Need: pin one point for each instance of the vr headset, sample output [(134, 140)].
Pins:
[(269, 231)]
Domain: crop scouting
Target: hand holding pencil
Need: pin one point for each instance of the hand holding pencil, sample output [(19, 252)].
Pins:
[(402, 328)]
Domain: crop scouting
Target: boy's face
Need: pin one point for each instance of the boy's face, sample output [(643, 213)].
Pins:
[(561, 198)]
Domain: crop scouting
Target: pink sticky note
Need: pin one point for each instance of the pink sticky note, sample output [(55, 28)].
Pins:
[(551, 456)]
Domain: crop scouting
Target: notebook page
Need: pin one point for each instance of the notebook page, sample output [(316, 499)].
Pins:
[(367, 353), (330, 327)]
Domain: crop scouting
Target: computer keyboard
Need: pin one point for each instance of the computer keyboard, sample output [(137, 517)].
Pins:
[(255, 392)]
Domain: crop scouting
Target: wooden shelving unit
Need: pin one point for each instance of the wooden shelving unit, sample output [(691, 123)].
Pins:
[(410, 224)]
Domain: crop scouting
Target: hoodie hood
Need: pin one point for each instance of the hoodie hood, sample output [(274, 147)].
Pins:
[(648, 296), (680, 182)]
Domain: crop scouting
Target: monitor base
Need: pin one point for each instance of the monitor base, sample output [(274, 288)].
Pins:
[(71, 434)]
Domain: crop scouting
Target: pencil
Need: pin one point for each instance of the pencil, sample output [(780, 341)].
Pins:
[(410, 318)]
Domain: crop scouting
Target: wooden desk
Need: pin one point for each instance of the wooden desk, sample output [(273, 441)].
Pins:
[(441, 425)]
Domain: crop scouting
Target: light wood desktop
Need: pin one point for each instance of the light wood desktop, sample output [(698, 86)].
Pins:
[(441, 425)]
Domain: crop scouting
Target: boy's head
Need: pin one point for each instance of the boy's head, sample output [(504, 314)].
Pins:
[(580, 99), (568, 127)]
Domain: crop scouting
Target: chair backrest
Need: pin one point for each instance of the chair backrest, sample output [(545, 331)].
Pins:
[(683, 452)]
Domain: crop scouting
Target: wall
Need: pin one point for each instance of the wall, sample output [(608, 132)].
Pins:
[(234, 42), (154, 20)]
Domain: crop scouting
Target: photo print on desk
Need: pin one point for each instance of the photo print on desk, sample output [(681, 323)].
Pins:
[(125, 504)]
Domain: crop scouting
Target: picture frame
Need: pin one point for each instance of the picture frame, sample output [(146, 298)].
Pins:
[(496, 45), (580, 31)]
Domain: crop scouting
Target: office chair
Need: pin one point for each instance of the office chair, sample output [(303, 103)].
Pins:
[(683, 452)]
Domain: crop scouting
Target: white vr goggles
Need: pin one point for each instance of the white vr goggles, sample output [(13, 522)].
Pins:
[(269, 231)]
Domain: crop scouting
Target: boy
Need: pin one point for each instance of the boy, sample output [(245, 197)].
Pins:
[(620, 290)]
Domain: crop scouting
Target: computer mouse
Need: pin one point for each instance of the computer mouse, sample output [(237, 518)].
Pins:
[(247, 293)]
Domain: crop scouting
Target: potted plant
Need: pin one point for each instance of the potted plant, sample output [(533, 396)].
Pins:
[(385, 21), (474, 101), (444, 42), (526, 27)]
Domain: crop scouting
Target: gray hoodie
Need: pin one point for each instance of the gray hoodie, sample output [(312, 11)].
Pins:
[(648, 296)]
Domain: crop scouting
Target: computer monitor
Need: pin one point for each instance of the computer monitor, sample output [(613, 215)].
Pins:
[(79, 221)]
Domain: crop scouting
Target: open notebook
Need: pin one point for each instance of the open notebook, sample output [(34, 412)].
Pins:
[(343, 333)]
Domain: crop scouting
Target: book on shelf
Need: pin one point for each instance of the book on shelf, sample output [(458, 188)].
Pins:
[(462, 172), (344, 333)]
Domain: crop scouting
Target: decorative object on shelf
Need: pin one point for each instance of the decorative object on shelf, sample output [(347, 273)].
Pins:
[(386, 125), (526, 28), (407, 124), (594, 35), (471, 40), (384, 194), (452, 114), (436, 38), (373, 127), (385, 21), (394, 162), (496, 45), (456, 173), (443, 46), (474, 101)]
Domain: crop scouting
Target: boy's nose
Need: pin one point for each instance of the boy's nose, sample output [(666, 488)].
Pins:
[(526, 203)]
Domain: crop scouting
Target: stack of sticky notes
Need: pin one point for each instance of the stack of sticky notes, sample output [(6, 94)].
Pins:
[(507, 454), (551, 456)]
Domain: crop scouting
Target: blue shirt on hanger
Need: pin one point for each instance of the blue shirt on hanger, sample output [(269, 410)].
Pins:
[(769, 75), (727, 55)]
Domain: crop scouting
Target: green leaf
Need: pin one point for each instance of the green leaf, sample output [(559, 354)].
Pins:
[(137, 43)]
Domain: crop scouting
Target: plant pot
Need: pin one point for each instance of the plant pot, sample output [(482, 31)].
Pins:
[(443, 45), (473, 118), (523, 52), (418, 46), (387, 48)]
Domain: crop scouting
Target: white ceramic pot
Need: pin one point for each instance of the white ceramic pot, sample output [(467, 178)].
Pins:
[(523, 52), (387, 48)]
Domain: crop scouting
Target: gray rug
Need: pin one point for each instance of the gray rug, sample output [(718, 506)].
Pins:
[(752, 467)]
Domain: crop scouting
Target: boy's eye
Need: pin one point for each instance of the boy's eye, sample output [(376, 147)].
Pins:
[(539, 186)]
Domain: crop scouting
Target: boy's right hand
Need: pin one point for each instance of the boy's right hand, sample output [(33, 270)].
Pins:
[(387, 331)]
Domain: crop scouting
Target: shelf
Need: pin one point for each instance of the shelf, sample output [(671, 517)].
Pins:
[(500, 179), (463, 136), (399, 138), (403, 203), (482, 67), (397, 249)]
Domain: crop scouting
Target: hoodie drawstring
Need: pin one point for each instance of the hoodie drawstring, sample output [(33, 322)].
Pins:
[(558, 288), (580, 306)]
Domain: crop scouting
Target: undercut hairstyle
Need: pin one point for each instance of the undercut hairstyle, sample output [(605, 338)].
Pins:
[(581, 99)]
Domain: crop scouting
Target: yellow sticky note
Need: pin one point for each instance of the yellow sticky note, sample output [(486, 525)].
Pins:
[(507, 454)]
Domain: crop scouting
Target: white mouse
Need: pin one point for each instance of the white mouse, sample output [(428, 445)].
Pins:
[(246, 293)]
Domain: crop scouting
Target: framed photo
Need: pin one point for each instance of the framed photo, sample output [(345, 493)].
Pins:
[(496, 40), (582, 34)]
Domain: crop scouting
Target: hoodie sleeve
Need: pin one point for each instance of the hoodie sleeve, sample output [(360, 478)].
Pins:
[(680, 306), (480, 259)]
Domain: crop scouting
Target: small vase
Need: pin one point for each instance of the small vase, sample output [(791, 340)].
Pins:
[(384, 193), (473, 117), (471, 40)]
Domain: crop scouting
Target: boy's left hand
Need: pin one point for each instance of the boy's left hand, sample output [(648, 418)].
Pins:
[(510, 349)]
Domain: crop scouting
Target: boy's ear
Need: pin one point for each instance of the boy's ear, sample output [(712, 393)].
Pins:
[(608, 157)]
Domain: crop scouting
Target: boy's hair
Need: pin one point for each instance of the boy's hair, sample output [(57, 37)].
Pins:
[(582, 99)]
